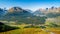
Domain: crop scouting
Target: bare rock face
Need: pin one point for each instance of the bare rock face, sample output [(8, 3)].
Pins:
[(16, 9)]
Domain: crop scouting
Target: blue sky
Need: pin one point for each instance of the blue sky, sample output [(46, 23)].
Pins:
[(29, 4)]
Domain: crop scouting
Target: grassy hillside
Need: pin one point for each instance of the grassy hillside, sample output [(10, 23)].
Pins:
[(33, 31)]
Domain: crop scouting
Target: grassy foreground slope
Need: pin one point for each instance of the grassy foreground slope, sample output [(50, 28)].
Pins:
[(33, 31)]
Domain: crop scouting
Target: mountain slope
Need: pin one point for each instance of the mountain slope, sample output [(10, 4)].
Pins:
[(2, 12), (17, 14), (20, 15), (48, 12)]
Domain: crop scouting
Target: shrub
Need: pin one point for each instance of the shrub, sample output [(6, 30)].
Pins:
[(37, 26), (53, 25), (29, 26), (34, 26), (42, 26)]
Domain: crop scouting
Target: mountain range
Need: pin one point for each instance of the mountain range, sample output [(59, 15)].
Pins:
[(20, 15), (48, 12)]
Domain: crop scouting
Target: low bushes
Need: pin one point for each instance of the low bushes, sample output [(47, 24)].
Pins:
[(53, 25), (34, 26), (29, 27), (42, 26)]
